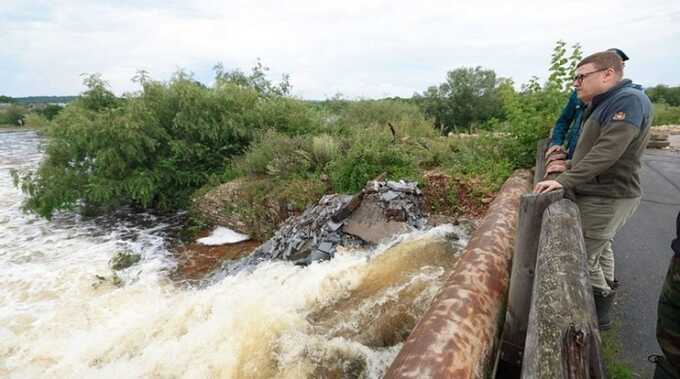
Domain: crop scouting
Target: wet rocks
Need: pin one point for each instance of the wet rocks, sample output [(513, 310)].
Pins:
[(111, 280), (314, 234), (123, 259), (382, 210)]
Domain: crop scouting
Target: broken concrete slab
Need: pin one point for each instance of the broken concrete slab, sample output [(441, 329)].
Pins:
[(326, 247), (375, 233), (369, 223), (347, 209), (402, 186), (333, 226), (389, 196)]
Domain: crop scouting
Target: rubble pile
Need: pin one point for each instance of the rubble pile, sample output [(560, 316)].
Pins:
[(380, 211)]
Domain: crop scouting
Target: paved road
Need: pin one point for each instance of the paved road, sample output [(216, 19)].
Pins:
[(642, 250)]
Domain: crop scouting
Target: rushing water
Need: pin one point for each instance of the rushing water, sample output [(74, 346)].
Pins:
[(342, 318)]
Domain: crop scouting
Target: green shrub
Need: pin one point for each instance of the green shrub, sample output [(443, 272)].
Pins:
[(155, 147), (12, 114), (378, 113), (35, 120), (277, 155), (372, 137), (325, 148), (366, 155), (50, 111), (479, 161), (286, 115), (262, 204), (532, 112)]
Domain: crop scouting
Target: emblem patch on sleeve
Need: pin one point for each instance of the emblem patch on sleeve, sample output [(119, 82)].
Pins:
[(619, 116)]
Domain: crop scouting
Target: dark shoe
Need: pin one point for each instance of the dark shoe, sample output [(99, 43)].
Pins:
[(663, 368), (603, 304), (613, 284)]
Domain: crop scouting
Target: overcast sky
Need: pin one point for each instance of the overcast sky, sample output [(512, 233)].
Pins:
[(357, 48)]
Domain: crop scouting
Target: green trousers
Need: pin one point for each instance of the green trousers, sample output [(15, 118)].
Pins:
[(601, 218)]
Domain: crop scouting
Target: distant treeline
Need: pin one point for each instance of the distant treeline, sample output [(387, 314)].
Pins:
[(664, 94), (37, 99)]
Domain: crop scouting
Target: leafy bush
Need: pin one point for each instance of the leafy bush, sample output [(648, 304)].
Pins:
[(35, 120), (325, 148), (367, 154), (263, 203), (50, 111), (349, 159), (276, 154), (378, 113), (155, 147), (532, 112)]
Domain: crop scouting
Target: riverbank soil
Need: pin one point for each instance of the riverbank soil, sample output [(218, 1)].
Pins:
[(195, 261)]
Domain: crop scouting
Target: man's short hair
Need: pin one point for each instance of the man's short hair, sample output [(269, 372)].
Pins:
[(603, 60)]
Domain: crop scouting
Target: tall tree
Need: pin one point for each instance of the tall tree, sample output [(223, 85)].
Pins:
[(469, 96)]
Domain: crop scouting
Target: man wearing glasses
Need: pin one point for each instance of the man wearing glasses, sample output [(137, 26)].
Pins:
[(568, 126), (604, 172)]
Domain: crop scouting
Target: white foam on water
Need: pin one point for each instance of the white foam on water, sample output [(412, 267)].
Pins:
[(222, 236)]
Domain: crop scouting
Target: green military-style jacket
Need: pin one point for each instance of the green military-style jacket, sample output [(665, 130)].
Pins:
[(615, 132)]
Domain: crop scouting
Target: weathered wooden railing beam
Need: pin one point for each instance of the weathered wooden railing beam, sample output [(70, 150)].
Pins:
[(530, 216), (563, 340), (539, 170)]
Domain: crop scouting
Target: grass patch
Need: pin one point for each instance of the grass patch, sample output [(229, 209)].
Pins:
[(611, 347), (665, 114)]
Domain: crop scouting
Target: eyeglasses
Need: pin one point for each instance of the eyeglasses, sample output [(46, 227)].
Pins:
[(579, 78)]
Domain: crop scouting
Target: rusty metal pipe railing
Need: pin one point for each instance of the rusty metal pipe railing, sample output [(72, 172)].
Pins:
[(458, 335)]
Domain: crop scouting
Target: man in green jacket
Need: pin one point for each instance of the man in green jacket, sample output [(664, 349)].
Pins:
[(568, 126), (604, 171)]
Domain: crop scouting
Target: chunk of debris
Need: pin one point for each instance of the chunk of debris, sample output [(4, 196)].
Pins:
[(123, 259)]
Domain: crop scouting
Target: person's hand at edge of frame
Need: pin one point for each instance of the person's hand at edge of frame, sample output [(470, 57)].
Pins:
[(547, 186), (553, 149)]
